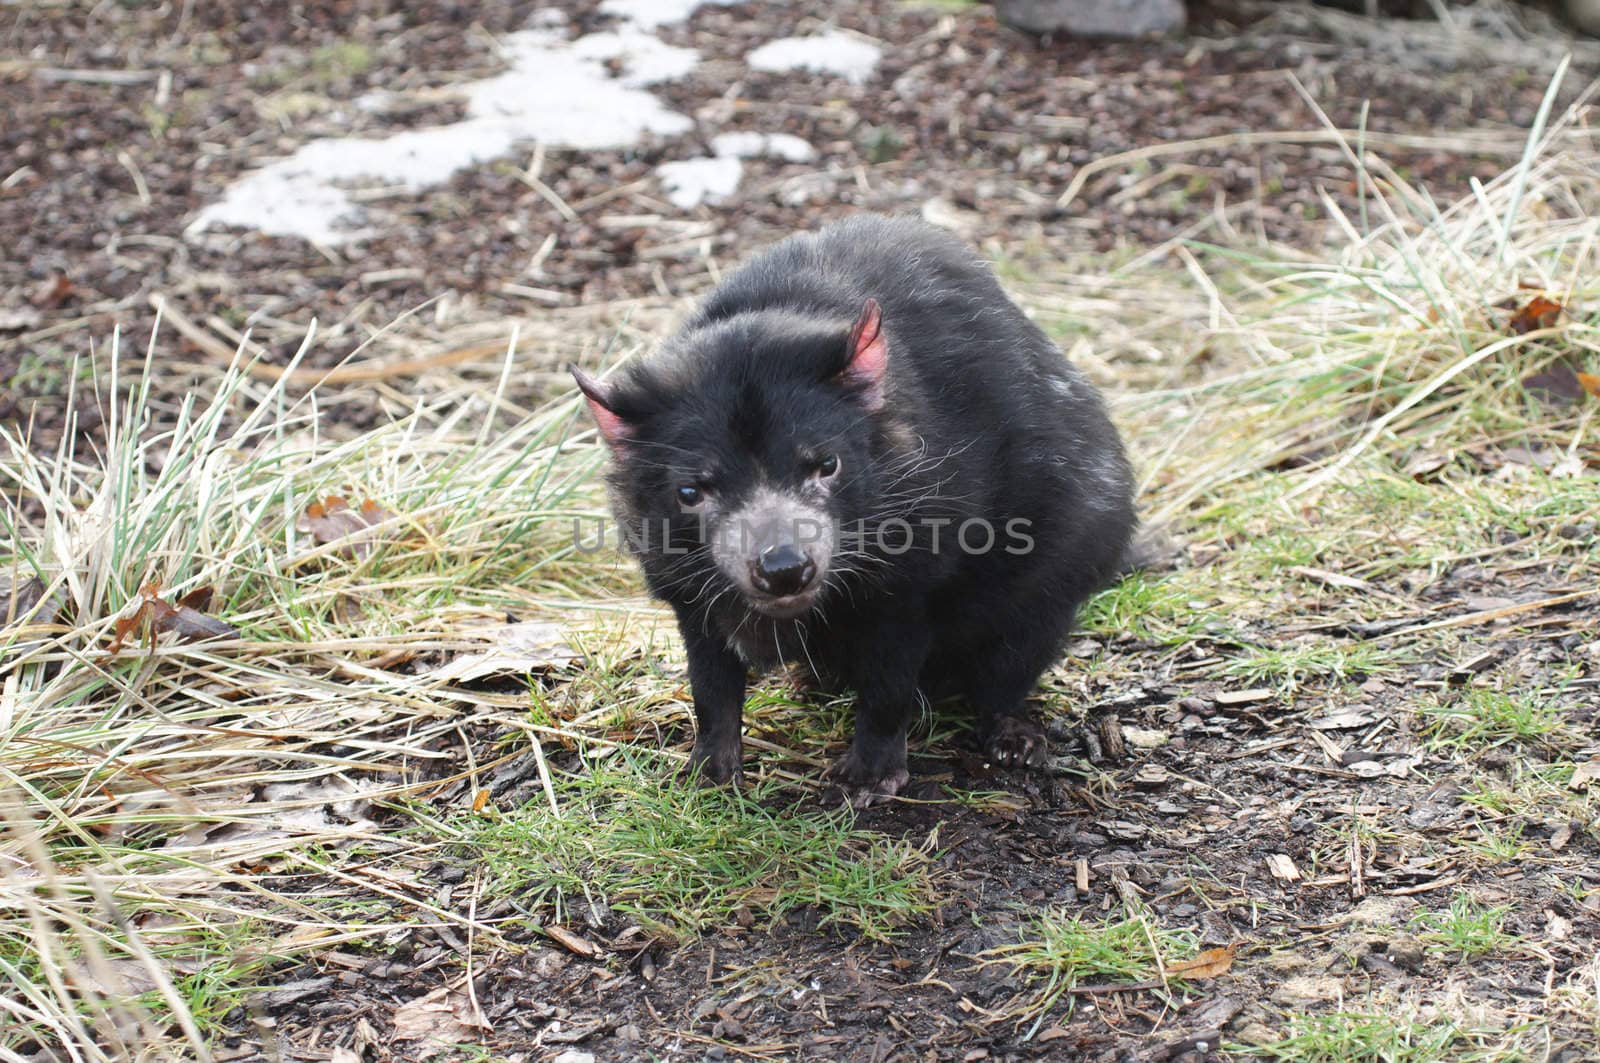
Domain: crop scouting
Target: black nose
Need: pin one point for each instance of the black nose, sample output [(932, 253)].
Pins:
[(782, 570)]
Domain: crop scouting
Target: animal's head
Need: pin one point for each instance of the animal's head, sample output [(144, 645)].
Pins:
[(743, 449)]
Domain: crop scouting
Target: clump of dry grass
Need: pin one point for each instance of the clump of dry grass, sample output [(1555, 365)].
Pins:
[(148, 791)]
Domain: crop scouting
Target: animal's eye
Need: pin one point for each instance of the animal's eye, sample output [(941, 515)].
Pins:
[(690, 496), (828, 466)]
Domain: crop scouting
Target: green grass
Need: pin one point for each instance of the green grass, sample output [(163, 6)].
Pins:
[(1483, 719), (1495, 845), (1060, 949), (1147, 604), (1347, 1037), (681, 858), (1465, 929), (1290, 667)]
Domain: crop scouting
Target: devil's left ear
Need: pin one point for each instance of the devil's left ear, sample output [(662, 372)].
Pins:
[(613, 428), (869, 356)]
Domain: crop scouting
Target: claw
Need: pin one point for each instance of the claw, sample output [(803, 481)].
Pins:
[(1016, 742), (859, 786)]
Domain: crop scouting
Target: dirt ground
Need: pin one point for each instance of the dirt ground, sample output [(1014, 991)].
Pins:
[(983, 128)]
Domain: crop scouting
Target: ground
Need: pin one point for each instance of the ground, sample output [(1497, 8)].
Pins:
[(1340, 726)]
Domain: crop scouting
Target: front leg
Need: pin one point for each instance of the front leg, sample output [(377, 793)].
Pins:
[(884, 674), (716, 680)]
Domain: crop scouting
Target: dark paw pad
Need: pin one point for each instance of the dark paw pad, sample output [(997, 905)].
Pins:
[(715, 764), (1015, 742)]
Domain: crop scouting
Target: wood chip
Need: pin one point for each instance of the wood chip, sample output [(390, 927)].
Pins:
[(1244, 697), (1342, 721), (1283, 868), (573, 943)]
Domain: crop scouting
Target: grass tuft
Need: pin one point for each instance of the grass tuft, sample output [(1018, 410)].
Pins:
[(681, 858), (1346, 1037), (1466, 928), (1061, 950)]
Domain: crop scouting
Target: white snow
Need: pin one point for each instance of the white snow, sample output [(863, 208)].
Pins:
[(785, 146), (827, 53), (556, 91), (591, 93), (694, 181)]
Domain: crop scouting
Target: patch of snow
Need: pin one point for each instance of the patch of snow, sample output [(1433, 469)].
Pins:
[(783, 146), (556, 91), (694, 181), (827, 53)]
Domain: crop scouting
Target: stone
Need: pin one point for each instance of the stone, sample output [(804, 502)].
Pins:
[(1585, 14), (1094, 18), (1306, 990)]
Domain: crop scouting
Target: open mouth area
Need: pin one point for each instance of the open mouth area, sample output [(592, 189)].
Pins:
[(786, 607)]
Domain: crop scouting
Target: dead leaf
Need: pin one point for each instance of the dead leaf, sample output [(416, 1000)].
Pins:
[(1559, 385), (1425, 463), (185, 618), (19, 319), (440, 1021), (1539, 312), (1584, 774), (25, 602), (332, 520), (516, 649), (52, 291), (579, 946), (1562, 835), (1212, 963)]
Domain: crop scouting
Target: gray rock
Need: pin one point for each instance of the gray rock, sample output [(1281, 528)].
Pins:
[(1094, 18), (1585, 14)]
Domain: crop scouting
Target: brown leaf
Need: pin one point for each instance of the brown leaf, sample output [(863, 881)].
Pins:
[(190, 623), (185, 618), (332, 520), (1212, 963), (1537, 313), (1584, 774), (52, 291), (25, 602), (199, 598), (1559, 385)]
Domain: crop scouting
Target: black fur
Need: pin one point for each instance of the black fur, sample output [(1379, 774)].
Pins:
[(981, 417)]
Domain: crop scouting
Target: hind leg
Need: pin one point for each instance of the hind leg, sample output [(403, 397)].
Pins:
[(997, 684)]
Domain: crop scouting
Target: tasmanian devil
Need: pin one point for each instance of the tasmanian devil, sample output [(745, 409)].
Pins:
[(858, 455)]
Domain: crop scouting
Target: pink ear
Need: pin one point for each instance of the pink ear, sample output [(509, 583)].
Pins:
[(869, 355), (612, 427)]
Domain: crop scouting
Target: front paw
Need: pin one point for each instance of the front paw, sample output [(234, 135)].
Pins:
[(1015, 742), (716, 763), (868, 776)]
